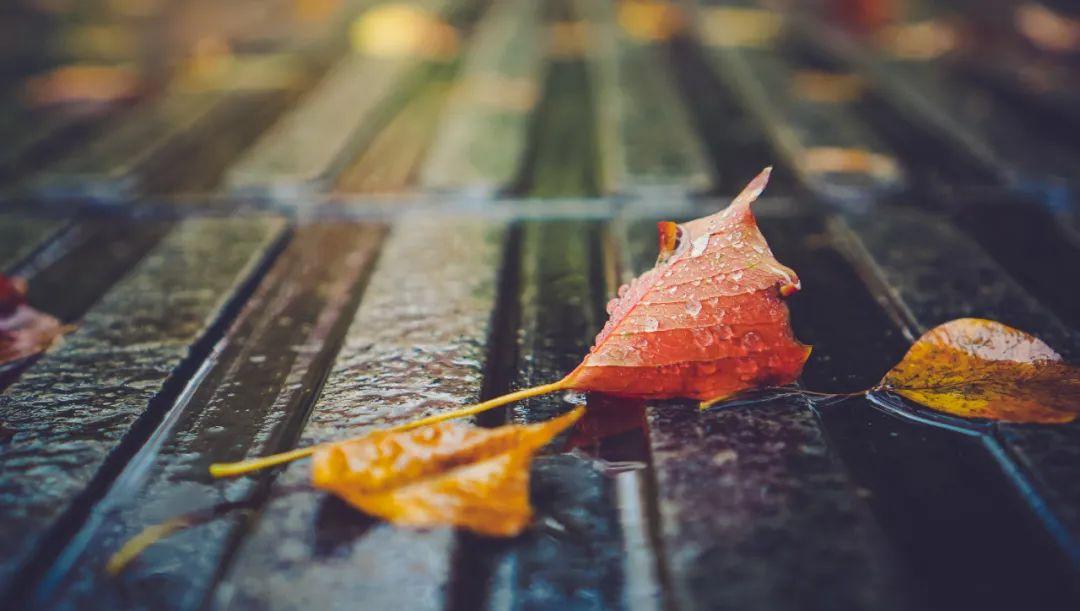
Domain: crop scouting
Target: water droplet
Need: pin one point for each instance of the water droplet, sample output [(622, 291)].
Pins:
[(623, 289), (650, 324), (698, 246), (693, 307), (759, 249), (724, 332), (737, 276), (611, 305), (752, 341), (672, 290), (574, 397), (703, 337)]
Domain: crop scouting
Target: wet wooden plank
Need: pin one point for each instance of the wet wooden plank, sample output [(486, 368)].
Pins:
[(21, 235), (562, 160), (572, 557), (113, 164), (71, 274), (481, 139), (645, 138), (930, 274), (1015, 231), (34, 139), (81, 410), (251, 401), (312, 144), (752, 501), (418, 344), (208, 150), (393, 157), (806, 110)]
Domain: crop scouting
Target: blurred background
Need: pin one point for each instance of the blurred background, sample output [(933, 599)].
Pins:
[(854, 100)]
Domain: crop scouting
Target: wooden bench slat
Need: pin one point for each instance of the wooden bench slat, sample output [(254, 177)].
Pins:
[(572, 557), (933, 274), (112, 165), (392, 158), (250, 402), (310, 145), (80, 410), (751, 501), (417, 345), (202, 155), (481, 138), (645, 137)]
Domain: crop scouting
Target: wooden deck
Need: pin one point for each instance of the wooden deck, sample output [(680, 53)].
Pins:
[(327, 242)]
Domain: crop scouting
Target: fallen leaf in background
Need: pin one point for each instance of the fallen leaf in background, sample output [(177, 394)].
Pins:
[(24, 331), (979, 368), (444, 474), (707, 322)]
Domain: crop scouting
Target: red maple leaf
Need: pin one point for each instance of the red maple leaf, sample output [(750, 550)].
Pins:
[(24, 331), (708, 321)]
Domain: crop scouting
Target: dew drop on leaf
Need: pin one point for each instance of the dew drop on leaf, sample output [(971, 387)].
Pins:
[(650, 324), (752, 341), (693, 307), (703, 337), (698, 246)]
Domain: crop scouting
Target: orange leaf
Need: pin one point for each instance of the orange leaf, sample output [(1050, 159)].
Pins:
[(24, 331), (708, 321), (444, 474), (979, 368)]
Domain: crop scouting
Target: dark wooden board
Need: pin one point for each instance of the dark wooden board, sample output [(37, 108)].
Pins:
[(572, 558)]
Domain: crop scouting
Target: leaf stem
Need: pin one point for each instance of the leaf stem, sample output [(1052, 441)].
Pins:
[(246, 466)]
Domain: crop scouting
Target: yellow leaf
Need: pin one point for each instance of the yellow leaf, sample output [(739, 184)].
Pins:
[(979, 368), (444, 474)]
